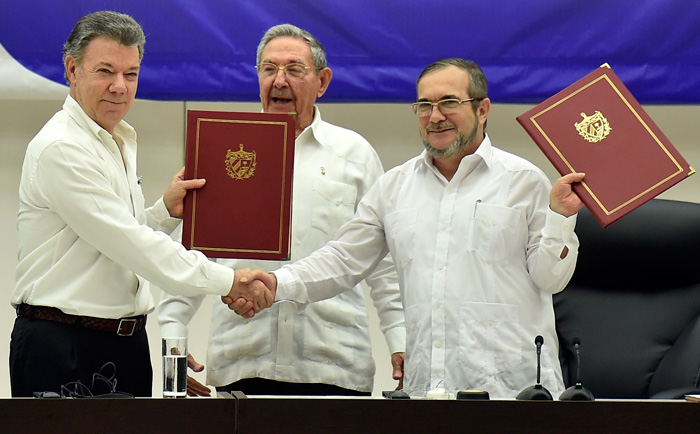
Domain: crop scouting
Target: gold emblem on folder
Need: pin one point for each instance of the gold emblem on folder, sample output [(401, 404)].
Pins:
[(240, 164), (593, 128)]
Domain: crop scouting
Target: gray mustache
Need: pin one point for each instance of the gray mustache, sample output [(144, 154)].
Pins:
[(438, 127)]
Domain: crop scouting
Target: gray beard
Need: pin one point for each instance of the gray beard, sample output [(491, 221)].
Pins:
[(456, 148)]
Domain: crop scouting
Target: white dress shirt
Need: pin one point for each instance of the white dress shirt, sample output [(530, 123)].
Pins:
[(478, 259), (86, 243), (329, 342)]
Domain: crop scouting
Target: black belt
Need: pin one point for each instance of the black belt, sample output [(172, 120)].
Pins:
[(122, 327)]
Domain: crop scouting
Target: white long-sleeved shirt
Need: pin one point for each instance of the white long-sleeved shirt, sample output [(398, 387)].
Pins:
[(86, 243), (329, 342), (478, 259)]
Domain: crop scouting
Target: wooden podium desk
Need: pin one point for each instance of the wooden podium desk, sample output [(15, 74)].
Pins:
[(124, 416), (238, 414), (331, 415)]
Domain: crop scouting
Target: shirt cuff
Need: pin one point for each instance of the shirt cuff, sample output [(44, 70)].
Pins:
[(221, 279), (290, 287), (173, 330), (160, 212), (396, 340), (558, 226)]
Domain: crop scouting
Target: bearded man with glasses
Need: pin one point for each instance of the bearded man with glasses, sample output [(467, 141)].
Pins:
[(481, 241), (325, 349)]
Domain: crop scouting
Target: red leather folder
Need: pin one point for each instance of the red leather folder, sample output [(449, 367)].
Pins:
[(244, 209), (596, 126)]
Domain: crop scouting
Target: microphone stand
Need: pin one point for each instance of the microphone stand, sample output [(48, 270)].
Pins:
[(536, 392), (577, 392)]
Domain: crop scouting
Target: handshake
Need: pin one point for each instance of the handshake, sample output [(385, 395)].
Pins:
[(252, 291)]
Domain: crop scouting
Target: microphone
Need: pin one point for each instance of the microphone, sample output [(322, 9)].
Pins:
[(536, 392), (577, 392)]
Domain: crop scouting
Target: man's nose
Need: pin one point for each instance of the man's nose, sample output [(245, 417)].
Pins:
[(436, 115), (280, 78), (118, 84)]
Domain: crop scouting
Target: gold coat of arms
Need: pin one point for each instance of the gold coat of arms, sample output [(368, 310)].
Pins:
[(240, 164), (593, 128)]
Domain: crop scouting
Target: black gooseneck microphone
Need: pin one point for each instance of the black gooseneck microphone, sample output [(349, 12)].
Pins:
[(536, 392), (577, 392)]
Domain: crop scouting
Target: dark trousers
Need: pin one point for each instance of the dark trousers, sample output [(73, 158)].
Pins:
[(47, 355), (263, 386)]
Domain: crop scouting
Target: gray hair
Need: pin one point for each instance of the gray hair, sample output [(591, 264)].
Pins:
[(318, 54), (119, 27), (478, 86)]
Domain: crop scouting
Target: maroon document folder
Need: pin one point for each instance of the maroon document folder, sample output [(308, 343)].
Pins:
[(244, 209), (596, 126)]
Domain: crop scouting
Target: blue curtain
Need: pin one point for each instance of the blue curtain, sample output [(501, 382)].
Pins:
[(204, 50)]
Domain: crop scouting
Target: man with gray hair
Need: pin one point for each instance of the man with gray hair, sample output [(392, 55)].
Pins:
[(324, 350), (86, 243)]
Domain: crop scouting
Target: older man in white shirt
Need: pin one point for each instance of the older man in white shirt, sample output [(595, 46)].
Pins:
[(326, 349)]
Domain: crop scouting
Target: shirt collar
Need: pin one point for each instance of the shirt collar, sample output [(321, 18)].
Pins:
[(318, 133), (75, 110), (313, 129), (483, 152)]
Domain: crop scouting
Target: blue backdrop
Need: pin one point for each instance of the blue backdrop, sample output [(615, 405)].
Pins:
[(529, 49)]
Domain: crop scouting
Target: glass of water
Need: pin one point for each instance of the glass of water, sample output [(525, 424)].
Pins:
[(175, 367)]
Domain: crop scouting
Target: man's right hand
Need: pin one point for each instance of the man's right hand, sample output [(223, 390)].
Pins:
[(176, 191), (194, 387), (397, 360), (252, 291)]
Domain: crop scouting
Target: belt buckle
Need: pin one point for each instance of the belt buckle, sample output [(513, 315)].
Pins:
[(124, 321)]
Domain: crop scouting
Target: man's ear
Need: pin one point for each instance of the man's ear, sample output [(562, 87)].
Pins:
[(483, 110), (325, 75), (71, 66)]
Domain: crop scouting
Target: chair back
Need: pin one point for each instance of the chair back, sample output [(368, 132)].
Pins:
[(634, 303)]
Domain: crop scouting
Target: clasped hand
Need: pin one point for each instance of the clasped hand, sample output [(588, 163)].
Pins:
[(252, 291), (562, 198)]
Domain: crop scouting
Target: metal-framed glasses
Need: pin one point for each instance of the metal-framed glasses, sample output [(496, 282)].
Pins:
[(293, 70), (446, 106)]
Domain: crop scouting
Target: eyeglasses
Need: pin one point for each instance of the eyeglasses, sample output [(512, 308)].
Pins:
[(446, 106), (293, 70)]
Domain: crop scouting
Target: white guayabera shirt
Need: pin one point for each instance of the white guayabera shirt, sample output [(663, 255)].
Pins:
[(478, 259), (329, 342)]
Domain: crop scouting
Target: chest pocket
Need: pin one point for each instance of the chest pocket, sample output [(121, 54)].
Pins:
[(333, 205), (493, 232)]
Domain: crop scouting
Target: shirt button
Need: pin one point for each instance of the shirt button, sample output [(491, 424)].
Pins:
[(439, 267), (438, 304), (438, 344)]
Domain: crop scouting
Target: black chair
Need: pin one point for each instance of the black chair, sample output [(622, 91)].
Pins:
[(634, 303)]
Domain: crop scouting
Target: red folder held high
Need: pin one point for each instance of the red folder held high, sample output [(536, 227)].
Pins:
[(596, 126)]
